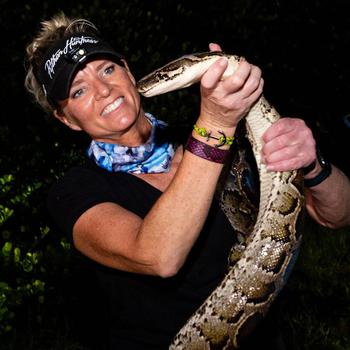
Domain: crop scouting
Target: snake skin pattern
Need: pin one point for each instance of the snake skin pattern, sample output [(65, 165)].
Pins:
[(269, 237)]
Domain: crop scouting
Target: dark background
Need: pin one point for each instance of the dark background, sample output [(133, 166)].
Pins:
[(302, 48)]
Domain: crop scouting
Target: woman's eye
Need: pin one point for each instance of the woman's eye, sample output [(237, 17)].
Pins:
[(109, 69), (77, 93)]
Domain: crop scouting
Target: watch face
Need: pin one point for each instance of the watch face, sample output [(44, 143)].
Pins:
[(323, 174), (323, 162)]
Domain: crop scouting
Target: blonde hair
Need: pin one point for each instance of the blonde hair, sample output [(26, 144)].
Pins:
[(58, 27)]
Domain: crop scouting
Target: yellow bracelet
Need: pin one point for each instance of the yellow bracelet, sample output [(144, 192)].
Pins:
[(223, 139)]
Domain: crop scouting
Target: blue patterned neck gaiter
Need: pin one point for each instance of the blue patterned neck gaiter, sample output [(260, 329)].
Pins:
[(149, 158)]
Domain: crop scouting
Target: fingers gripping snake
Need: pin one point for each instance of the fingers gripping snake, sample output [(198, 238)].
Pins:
[(253, 281)]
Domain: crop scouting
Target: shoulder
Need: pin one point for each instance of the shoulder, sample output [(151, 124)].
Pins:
[(86, 173), (78, 179), (87, 185), (80, 188)]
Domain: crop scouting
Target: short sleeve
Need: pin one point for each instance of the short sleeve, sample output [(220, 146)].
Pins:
[(87, 185), (79, 190)]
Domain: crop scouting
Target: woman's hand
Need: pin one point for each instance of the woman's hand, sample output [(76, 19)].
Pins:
[(288, 145), (225, 101)]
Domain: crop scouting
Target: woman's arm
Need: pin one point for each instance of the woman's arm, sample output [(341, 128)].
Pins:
[(160, 243)]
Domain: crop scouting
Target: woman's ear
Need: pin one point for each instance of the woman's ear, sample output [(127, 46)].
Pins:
[(59, 114)]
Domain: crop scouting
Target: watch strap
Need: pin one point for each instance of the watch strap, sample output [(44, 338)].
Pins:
[(321, 176), (309, 168), (326, 170)]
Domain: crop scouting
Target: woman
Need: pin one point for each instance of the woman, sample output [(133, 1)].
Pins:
[(142, 207)]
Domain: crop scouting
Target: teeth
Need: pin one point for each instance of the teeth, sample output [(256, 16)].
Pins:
[(113, 106)]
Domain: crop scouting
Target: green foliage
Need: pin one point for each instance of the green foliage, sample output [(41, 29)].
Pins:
[(22, 257), (12, 258), (33, 255)]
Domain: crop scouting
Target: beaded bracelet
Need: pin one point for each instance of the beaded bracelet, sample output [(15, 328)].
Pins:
[(223, 139), (203, 150)]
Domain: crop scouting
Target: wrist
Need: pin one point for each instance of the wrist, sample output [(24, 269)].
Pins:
[(218, 137), (211, 123), (206, 151), (319, 173)]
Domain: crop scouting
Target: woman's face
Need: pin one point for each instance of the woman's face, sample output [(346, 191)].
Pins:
[(103, 101)]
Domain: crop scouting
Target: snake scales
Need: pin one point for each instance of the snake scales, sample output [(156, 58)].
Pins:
[(260, 270)]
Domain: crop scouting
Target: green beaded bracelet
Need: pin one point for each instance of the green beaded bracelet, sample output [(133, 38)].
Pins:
[(223, 139)]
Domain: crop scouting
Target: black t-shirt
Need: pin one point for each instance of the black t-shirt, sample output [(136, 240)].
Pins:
[(144, 312)]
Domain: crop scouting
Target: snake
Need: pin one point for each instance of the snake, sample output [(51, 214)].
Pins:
[(261, 266)]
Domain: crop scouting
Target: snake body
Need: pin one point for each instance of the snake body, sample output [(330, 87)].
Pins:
[(254, 279)]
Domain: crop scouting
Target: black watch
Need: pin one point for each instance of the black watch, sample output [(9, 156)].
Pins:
[(323, 174)]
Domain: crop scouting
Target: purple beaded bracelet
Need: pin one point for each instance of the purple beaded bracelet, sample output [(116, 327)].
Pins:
[(205, 151)]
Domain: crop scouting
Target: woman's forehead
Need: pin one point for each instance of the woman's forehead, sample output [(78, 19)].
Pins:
[(93, 66)]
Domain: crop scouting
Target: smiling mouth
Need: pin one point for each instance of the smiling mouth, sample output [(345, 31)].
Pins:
[(113, 106)]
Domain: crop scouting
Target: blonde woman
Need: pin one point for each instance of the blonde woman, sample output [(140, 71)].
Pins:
[(141, 208)]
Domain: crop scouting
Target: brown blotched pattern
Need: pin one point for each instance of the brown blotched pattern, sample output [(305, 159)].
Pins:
[(269, 239)]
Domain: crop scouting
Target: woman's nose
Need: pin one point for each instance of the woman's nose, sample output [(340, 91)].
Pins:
[(102, 89)]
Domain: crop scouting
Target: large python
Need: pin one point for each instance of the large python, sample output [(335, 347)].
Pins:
[(255, 279)]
